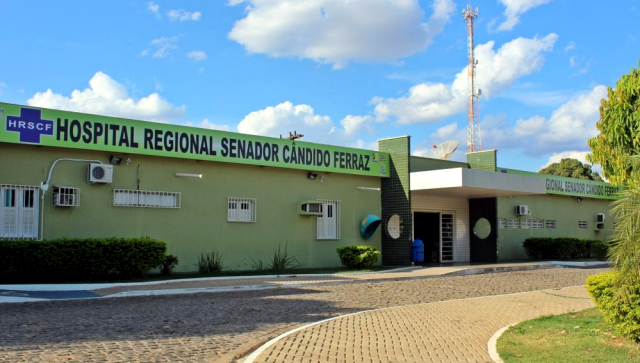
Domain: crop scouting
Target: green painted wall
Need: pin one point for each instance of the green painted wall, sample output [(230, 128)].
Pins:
[(201, 224), (566, 211), (419, 163)]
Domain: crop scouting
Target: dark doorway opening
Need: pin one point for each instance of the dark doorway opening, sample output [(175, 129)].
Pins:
[(426, 226)]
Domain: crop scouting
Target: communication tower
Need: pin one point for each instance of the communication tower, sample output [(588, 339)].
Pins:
[(473, 118)]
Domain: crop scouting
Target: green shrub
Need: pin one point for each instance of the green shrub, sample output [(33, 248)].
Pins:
[(599, 249), (170, 261), (564, 248), (622, 313), (210, 262), (79, 258), (282, 261), (358, 256)]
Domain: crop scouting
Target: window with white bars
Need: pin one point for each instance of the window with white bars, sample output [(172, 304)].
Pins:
[(329, 222), (502, 223), (66, 196), (583, 224), (19, 205), (241, 209), (537, 223), (550, 224), (146, 199), (513, 223), (525, 224)]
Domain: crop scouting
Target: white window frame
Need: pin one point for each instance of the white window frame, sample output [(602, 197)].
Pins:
[(66, 196), (550, 224), (525, 224), (583, 224), (241, 209), (328, 226), (146, 199), (513, 223), (537, 224), (19, 215), (502, 223)]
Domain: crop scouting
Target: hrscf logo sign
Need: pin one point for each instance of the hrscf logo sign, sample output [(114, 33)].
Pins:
[(30, 125)]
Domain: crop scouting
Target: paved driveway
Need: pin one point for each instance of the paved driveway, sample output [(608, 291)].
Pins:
[(216, 327)]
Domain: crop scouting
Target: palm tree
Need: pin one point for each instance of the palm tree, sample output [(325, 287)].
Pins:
[(625, 244)]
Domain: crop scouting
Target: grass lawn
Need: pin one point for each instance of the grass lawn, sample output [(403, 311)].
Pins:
[(576, 337)]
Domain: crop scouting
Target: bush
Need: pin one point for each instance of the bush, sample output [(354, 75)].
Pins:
[(358, 256), (599, 249), (79, 258), (565, 248), (282, 261), (210, 262), (623, 313), (170, 261)]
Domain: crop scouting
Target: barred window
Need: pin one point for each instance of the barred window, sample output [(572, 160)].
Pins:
[(502, 223), (19, 206), (525, 224), (583, 224), (513, 223), (537, 224), (550, 224), (146, 199), (241, 209)]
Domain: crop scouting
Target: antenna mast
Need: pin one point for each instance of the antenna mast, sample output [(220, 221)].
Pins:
[(473, 119)]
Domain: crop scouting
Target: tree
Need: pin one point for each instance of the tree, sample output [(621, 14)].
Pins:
[(572, 168), (625, 244), (619, 127)]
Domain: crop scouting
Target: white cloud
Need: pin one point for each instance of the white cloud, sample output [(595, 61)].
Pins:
[(515, 8), (154, 8), (163, 45), (497, 71), (108, 97), (568, 128), (557, 157), (206, 124), (183, 15), (339, 31), (197, 55), (286, 117), (570, 46)]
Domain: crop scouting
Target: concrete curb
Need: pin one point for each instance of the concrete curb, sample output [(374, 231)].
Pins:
[(492, 345), (97, 286)]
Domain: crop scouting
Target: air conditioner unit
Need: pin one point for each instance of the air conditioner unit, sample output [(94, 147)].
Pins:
[(100, 173), (522, 210), (600, 218)]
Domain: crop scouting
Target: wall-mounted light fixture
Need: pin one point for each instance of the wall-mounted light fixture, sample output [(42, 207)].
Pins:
[(312, 176), (186, 175), (115, 160)]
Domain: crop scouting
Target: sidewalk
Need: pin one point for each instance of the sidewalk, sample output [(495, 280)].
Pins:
[(36, 292), (449, 331)]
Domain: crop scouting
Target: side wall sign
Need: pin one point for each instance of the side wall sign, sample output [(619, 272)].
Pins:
[(574, 187), (45, 127)]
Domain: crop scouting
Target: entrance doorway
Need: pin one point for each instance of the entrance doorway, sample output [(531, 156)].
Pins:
[(426, 226)]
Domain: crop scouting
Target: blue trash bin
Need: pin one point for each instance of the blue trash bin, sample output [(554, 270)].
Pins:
[(417, 251)]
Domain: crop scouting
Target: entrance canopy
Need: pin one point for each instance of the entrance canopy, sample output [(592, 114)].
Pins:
[(471, 183)]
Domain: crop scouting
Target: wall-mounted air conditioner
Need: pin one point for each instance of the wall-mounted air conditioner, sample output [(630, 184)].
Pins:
[(311, 208), (599, 221), (522, 210), (100, 173)]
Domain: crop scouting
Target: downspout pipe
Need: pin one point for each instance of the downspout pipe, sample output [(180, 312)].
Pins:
[(44, 186)]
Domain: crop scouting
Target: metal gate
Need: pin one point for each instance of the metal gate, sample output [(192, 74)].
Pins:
[(19, 211)]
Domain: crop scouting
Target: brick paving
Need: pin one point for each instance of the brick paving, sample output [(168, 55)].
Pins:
[(450, 331), (217, 327)]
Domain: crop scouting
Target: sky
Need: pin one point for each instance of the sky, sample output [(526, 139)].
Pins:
[(342, 72)]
